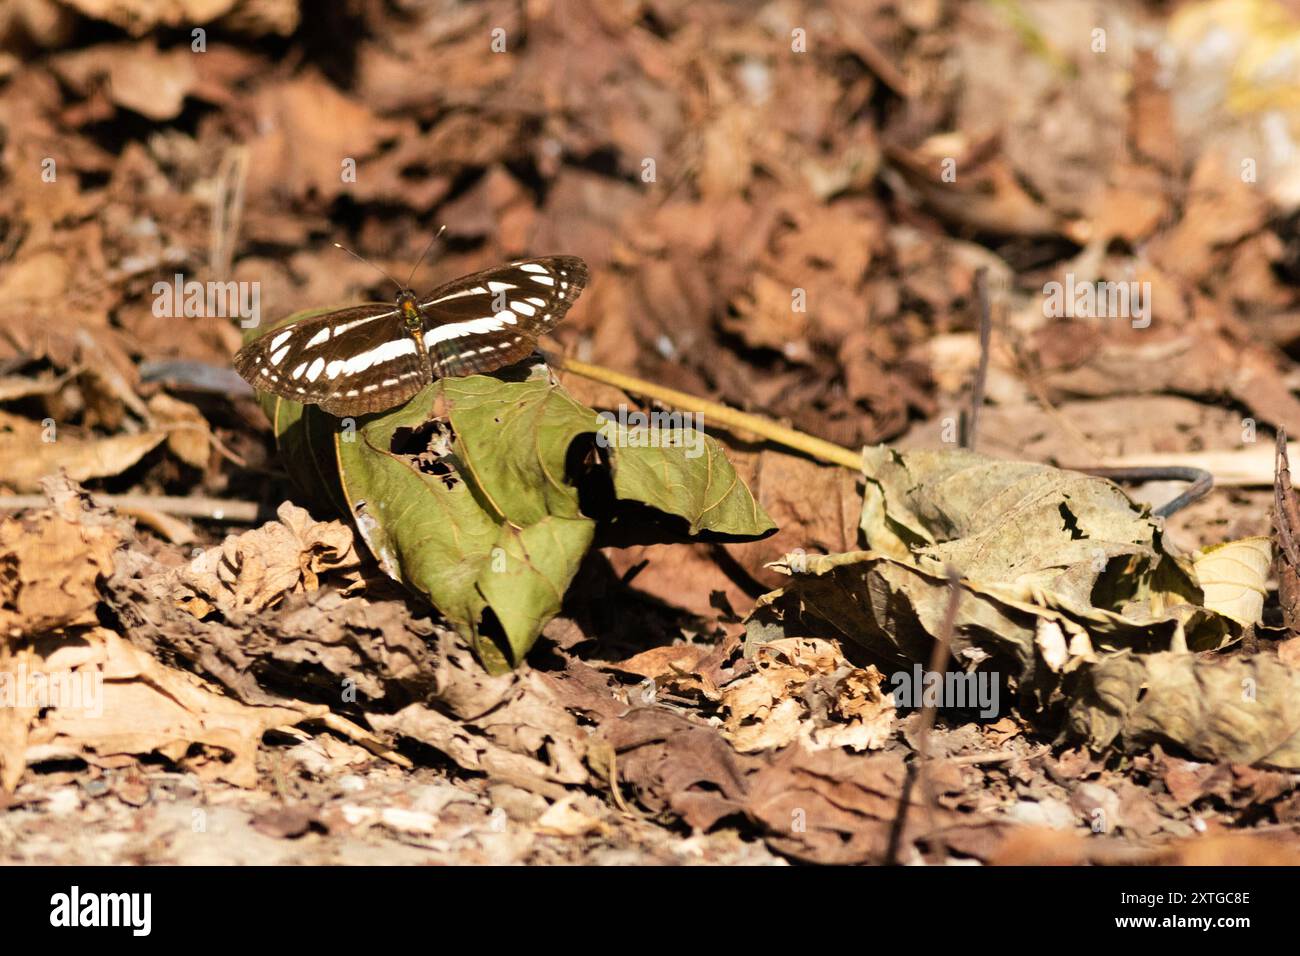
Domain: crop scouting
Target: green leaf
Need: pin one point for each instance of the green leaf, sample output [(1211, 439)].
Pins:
[(465, 495)]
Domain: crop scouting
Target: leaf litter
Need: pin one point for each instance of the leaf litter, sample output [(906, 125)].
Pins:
[(280, 679)]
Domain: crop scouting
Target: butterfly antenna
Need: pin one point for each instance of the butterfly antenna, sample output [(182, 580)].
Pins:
[(441, 230), (400, 288)]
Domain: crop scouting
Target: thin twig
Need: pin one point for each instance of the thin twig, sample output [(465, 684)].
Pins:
[(720, 414), (938, 664), (364, 737), (997, 756), (213, 440), (210, 509), (880, 64), (227, 210), (1286, 516), (1030, 373)]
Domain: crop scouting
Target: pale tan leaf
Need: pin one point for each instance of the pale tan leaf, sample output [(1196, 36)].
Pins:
[(26, 457), (188, 437), (132, 704), (1234, 577)]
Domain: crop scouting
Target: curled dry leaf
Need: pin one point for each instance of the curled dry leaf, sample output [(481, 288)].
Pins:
[(674, 668), (132, 704), (804, 689), (1234, 575), (71, 688), (138, 17), (1242, 710), (50, 564), (1067, 588), (1028, 531), (511, 727), (377, 639), (21, 386), (257, 569), (31, 452), (188, 434)]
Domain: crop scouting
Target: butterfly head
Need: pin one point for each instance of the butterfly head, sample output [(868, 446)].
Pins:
[(409, 306)]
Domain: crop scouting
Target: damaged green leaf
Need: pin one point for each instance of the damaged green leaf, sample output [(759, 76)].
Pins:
[(471, 494)]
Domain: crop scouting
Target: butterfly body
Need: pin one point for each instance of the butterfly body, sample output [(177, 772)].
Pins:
[(374, 356)]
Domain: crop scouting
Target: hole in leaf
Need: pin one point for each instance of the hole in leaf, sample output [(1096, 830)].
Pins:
[(429, 449)]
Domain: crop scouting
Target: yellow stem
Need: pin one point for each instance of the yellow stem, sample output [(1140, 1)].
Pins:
[(716, 413)]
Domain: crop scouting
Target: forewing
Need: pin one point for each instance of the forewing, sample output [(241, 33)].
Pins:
[(349, 362), (492, 319)]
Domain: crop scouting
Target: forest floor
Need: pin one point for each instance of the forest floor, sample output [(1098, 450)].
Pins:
[(784, 208)]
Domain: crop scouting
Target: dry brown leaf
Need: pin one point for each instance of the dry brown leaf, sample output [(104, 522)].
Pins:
[(51, 562), (132, 704), (526, 738), (21, 386), (188, 435), (1286, 530), (840, 808), (1288, 652), (15, 720), (986, 196), (828, 806), (309, 133), (673, 668), (804, 689), (257, 569), (815, 507), (676, 764), (566, 818), (139, 76), (30, 454), (768, 316), (138, 17), (78, 690), (1221, 209), (684, 575), (379, 641)]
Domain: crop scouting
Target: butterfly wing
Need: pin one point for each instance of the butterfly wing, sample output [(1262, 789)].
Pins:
[(491, 319), (350, 362)]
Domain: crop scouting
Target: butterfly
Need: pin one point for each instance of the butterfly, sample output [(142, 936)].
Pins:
[(371, 357)]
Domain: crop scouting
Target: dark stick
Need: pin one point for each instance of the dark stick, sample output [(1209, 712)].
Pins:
[(986, 332), (919, 770), (1201, 483)]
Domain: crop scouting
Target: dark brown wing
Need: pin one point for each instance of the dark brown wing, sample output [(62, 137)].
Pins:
[(491, 319), (350, 362)]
